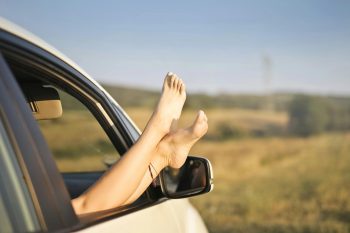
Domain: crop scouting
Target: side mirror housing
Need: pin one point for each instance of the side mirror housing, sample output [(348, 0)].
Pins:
[(195, 177)]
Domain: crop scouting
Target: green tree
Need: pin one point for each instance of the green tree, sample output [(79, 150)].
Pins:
[(307, 115)]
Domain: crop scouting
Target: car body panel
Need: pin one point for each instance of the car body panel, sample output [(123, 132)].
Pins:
[(171, 216)]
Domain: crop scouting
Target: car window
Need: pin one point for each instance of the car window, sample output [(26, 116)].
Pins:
[(84, 140), (76, 139), (17, 212)]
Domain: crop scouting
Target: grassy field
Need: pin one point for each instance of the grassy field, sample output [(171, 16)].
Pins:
[(278, 185), (271, 184), (264, 181), (230, 123), (78, 137)]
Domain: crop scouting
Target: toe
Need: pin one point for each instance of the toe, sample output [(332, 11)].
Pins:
[(200, 116), (182, 88), (167, 80), (199, 126), (176, 83), (172, 80), (179, 86), (205, 118)]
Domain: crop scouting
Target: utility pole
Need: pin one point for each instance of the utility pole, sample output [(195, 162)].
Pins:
[(267, 80)]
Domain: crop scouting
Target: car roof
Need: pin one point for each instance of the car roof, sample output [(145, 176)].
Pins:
[(16, 30)]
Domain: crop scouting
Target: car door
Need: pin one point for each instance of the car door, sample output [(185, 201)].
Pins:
[(49, 192)]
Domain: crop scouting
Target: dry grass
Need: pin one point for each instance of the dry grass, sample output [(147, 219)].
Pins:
[(240, 121), (278, 185), (273, 184), (93, 163), (78, 142)]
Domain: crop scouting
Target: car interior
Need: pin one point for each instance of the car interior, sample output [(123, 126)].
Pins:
[(44, 101)]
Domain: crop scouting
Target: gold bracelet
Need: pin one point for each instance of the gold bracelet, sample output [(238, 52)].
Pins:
[(154, 168), (150, 171)]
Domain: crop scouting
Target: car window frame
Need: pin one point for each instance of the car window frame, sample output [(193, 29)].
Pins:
[(15, 198)]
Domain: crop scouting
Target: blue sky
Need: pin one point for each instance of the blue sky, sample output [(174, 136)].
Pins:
[(215, 46)]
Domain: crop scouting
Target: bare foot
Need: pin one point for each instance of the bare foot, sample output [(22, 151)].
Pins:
[(175, 147), (170, 104)]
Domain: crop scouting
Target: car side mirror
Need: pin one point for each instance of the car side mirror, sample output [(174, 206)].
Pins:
[(195, 177)]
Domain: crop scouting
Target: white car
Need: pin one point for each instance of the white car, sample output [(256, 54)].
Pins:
[(40, 159)]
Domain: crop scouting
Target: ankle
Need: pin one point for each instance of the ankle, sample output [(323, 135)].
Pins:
[(159, 124), (159, 163)]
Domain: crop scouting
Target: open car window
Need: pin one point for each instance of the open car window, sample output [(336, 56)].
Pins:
[(76, 139), (74, 135), (77, 136)]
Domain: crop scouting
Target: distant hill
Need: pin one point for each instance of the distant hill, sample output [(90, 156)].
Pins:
[(132, 97), (136, 97)]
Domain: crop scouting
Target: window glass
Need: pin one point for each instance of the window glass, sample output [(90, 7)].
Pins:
[(76, 139), (17, 212)]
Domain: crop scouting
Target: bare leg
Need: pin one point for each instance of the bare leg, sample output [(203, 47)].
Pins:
[(172, 151), (119, 182)]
